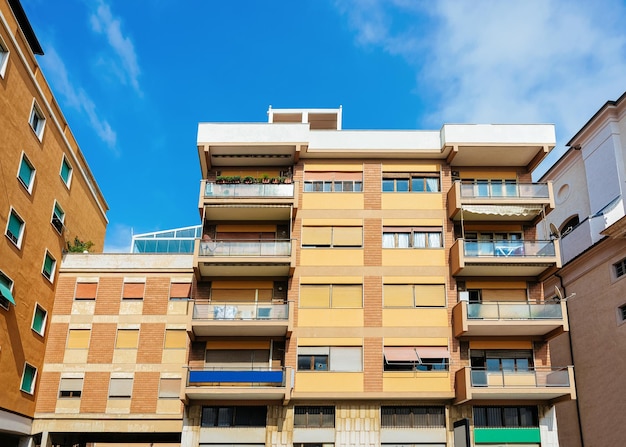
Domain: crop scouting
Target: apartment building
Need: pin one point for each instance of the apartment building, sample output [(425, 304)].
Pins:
[(589, 218), (49, 197)]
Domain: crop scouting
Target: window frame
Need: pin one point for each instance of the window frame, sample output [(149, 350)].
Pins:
[(4, 303), (4, 57), (65, 162), (176, 284), (20, 236), (132, 283), (332, 181), (61, 219), (412, 232), (24, 160), (28, 366), (621, 314), (619, 268), (308, 413), (416, 296), (478, 423), (332, 244), (44, 320), (436, 419), (121, 396), (171, 379), (83, 330), (324, 353), (426, 364), (411, 179), (71, 394), (39, 125), (231, 411), (128, 332), (49, 276), (82, 298), (331, 288)]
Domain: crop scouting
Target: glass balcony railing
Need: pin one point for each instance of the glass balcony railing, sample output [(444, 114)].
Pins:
[(240, 311), (245, 248), (505, 189), (514, 311), (251, 377), (515, 248), (538, 377), (243, 190)]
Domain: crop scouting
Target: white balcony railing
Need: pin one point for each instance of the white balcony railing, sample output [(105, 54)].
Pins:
[(243, 190), (514, 311), (269, 248), (505, 190)]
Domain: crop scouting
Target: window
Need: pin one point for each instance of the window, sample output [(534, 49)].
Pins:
[(29, 376), (506, 360), (332, 236), (39, 319), (37, 120), (490, 188), (86, 290), (333, 181), (78, 338), (26, 173), (15, 228), (6, 291), (416, 358), (334, 358), (169, 388), (494, 244), (414, 295), (71, 387), (234, 416), (620, 268), (236, 358), (412, 417), (175, 339), (4, 58), (58, 217), (498, 417), (410, 182), (121, 387), (133, 290), (568, 226), (180, 291), (412, 237), (127, 339), (66, 172), (621, 313), (347, 296), (314, 417), (49, 264)]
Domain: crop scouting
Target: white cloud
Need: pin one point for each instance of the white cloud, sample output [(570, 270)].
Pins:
[(118, 238), (103, 22), (76, 98), (492, 61)]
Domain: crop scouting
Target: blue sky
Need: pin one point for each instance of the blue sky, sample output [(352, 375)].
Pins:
[(134, 78)]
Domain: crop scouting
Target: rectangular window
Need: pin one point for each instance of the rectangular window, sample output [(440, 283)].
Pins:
[(410, 183), (416, 358), (121, 388), (26, 173), (314, 416), (86, 290), (412, 417), (71, 387), (334, 358), (49, 265), (15, 228), (234, 416), (507, 360), (58, 217), (127, 339), (326, 236), (414, 295), (133, 290), (29, 376), (78, 338), (39, 320), (66, 172), (620, 268), (347, 296), (333, 181), (180, 291), (4, 58), (169, 388), (621, 313), (412, 237), (37, 120), (175, 339), (506, 417), (6, 291)]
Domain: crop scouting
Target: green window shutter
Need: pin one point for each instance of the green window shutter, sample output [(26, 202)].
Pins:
[(48, 265), (26, 173), (65, 171), (40, 315), (58, 211), (28, 379), (15, 225)]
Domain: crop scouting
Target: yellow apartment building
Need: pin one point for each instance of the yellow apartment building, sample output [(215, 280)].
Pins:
[(48, 197)]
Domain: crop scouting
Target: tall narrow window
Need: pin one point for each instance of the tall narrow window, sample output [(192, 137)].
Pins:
[(49, 264), (4, 58), (29, 375), (37, 120), (26, 173), (58, 217), (6, 291), (620, 268), (66, 172), (39, 319), (15, 228)]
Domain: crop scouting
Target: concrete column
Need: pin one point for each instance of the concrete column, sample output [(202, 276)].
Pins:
[(45, 439), (26, 441), (547, 427), (190, 436)]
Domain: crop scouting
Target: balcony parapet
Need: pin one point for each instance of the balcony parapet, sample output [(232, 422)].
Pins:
[(239, 311), (247, 248), (245, 190)]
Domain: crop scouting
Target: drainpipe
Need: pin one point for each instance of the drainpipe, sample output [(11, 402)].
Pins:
[(571, 350)]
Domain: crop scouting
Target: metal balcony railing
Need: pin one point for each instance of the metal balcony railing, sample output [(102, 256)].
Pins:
[(505, 190), (253, 376), (514, 311), (259, 248), (538, 377), (507, 248), (243, 190), (240, 311)]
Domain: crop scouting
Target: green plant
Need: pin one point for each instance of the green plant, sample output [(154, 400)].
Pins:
[(79, 246)]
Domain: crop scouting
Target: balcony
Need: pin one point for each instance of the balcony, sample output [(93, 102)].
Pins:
[(254, 383), (539, 384), (240, 319), (539, 320), (275, 258), (242, 201), (499, 201), (504, 257)]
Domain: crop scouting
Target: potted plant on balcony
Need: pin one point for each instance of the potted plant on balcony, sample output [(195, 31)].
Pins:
[(288, 180), (235, 179), (265, 178), (248, 179), (221, 179), (275, 180)]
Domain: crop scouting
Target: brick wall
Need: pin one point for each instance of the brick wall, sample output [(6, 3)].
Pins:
[(95, 392), (145, 392), (102, 343), (47, 393), (373, 301), (55, 348), (156, 296), (373, 364), (151, 340), (109, 295), (64, 296)]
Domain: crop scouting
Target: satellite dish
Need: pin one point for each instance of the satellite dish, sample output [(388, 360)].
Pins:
[(558, 292), (554, 232)]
